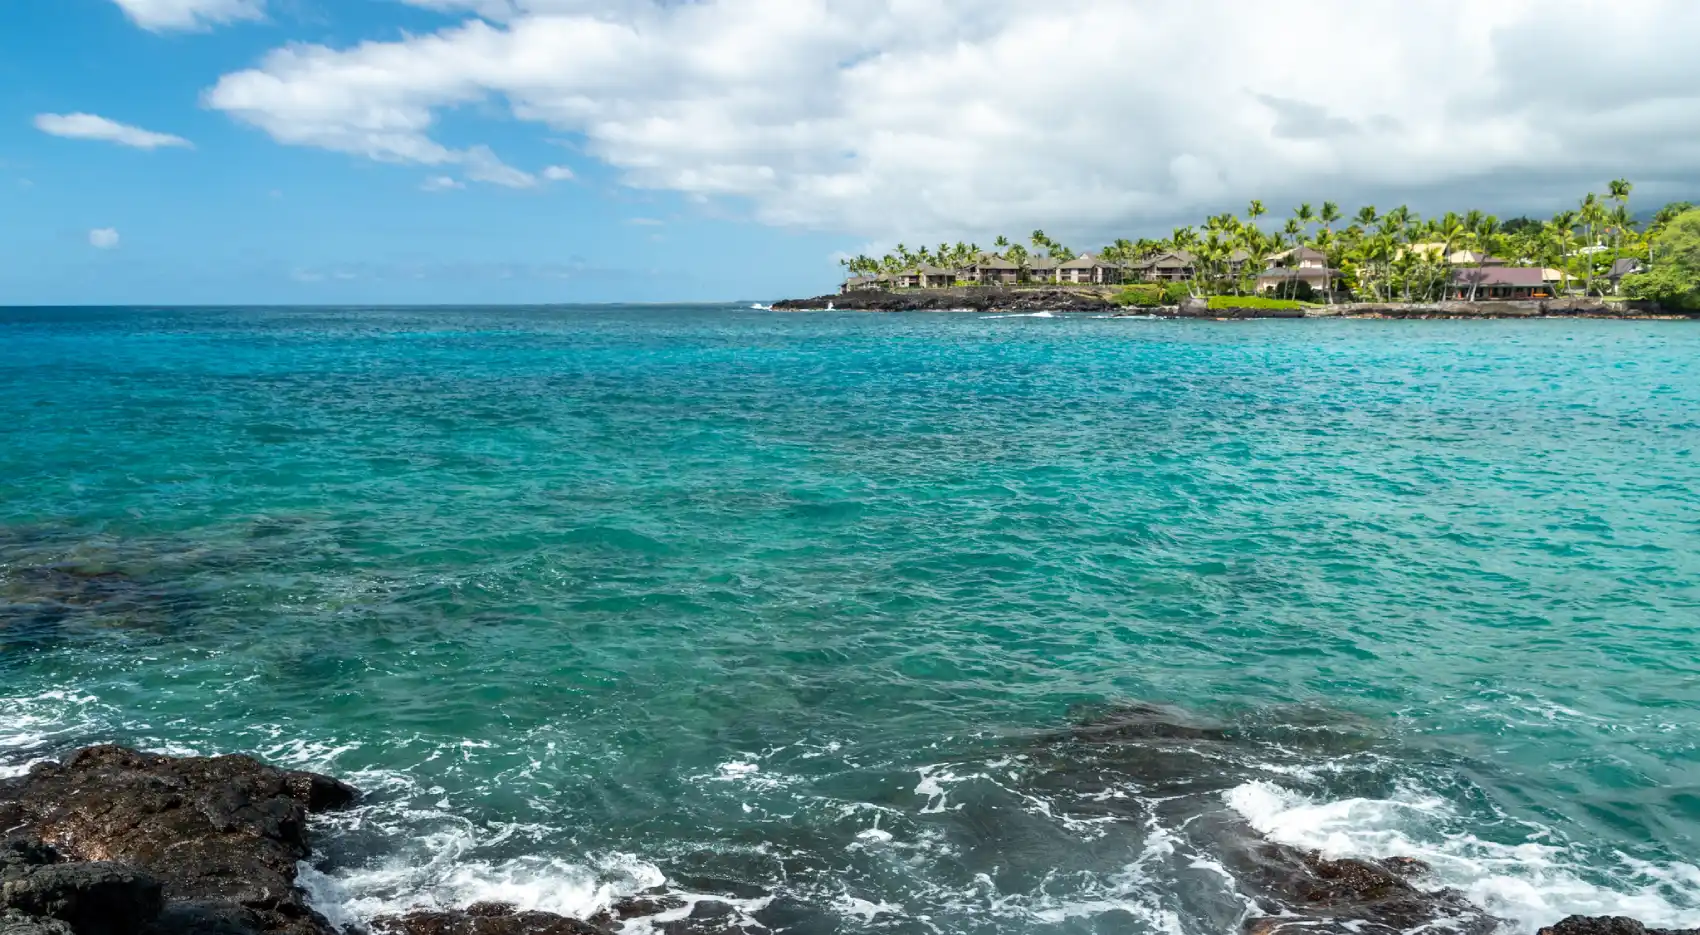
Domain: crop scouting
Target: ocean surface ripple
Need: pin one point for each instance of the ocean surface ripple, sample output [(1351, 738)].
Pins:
[(785, 607)]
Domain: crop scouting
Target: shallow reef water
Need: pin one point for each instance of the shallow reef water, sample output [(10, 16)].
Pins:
[(918, 623)]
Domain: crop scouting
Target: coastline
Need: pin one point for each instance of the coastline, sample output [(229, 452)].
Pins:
[(113, 841), (1014, 301)]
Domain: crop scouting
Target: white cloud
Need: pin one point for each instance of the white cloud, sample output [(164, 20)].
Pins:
[(937, 118), (441, 183), (161, 15), (558, 173), (103, 238), (92, 127)]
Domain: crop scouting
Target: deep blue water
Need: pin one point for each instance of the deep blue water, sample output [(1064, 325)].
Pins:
[(782, 606)]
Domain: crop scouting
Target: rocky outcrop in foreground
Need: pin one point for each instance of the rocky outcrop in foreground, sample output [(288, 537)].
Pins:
[(116, 842)]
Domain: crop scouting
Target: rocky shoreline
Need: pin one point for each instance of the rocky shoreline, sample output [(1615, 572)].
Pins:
[(112, 841), (1018, 301)]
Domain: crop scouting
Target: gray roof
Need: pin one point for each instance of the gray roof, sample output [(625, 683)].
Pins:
[(1627, 266), (1087, 261), (994, 262), (1175, 259)]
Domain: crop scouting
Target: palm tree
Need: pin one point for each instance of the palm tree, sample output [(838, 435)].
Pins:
[(1017, 254), (1618, 190), (1562, 230)]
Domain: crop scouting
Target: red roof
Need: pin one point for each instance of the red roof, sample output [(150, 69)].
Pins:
[(1515, 276)]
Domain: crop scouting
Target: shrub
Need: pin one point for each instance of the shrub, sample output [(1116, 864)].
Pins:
[(1174, 292), (1253, 301), (1140, 295), (1665, 285)]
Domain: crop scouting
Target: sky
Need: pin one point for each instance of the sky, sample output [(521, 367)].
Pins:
[(470, 151)]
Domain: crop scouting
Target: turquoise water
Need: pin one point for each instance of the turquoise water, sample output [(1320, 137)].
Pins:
[(782, 607)]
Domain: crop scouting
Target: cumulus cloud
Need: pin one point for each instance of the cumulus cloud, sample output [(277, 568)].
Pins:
[(558, 173), (441, 183), (92, 127), (103, 238), (162, 15), (948, 117)]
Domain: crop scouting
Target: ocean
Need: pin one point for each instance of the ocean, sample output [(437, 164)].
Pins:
[(815, 612)]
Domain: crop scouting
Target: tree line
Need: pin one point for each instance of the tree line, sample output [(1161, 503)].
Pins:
[(1396, 255)]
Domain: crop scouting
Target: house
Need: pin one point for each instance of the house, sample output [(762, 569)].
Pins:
[(1626, 266), (1042, 269), (934, 277), (1087, 269), (907, 278), (1299, 265), (1432, 253), (859, 284), (1298, 258), (1500, 282), (1472, 258), (990, 270), (1176, 266)]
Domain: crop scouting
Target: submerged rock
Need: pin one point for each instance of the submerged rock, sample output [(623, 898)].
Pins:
[(483, 919), (221, 835)]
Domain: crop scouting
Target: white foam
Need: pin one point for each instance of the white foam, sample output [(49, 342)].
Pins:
[(852, 906), (21, 769), (1531, 883), (446, 878)]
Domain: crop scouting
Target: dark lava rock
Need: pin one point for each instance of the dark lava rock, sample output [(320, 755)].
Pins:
[(221, 834), (484, 919), (17, 923), (710, 917), (652, 902), (1305, 893), (1608, 925), (18, 853), (93, 898)]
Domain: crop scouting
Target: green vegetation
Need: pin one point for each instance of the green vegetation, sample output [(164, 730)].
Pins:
[(1256, 301), (1673, 280), (1151, 294), (1396, 256)]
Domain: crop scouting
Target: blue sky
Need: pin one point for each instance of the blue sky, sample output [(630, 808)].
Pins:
[(241, 219), (324, 151)]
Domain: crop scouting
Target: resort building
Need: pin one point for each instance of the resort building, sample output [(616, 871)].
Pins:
[(1501, 282), (1088, 269), (1176, 266), (992, 271), (1302, 265), (1042, 269)]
